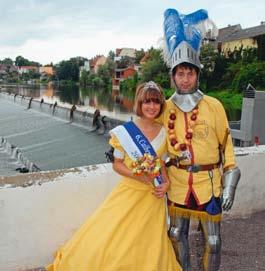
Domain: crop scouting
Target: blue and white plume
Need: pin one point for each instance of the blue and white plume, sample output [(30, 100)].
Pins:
[(183, 35)]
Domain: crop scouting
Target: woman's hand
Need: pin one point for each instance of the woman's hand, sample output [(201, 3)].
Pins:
[(144, 179), (119, 166), (161, 190)]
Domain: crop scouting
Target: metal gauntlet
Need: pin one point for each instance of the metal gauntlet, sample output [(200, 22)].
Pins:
[(230, 181)]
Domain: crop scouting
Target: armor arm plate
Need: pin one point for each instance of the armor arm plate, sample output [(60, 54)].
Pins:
[(230, 181)]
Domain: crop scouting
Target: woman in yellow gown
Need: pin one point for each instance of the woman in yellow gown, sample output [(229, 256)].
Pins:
[(129, 231)]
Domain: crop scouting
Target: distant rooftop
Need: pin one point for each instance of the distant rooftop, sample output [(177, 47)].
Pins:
[(235, 32)]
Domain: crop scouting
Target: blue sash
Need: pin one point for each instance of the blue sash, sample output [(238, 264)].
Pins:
[(141, 142)]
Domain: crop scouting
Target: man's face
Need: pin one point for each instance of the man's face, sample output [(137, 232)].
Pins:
[(185, 79)]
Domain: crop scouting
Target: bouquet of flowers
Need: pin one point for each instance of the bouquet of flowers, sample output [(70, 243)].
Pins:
[(146, 165)]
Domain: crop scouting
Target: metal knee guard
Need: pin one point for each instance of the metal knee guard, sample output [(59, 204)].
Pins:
[(178, 233), (212, 254)]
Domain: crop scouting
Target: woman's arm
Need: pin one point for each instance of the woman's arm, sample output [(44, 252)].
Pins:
[(161, 190), (122, 169)]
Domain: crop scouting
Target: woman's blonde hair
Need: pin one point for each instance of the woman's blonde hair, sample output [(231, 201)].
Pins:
[(145, 91)]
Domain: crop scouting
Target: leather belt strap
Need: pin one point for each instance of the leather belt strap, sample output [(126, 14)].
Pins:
[(192, 168)]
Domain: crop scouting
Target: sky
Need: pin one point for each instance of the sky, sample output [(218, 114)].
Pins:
[(54, 30)]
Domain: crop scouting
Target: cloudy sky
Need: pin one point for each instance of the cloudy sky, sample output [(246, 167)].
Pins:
[(52, 30)]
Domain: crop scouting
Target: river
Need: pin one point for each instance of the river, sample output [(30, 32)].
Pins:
[(89, 99)]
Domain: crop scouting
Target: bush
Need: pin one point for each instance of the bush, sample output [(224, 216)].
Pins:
[(98, 82), (253, 73), (128, 86)]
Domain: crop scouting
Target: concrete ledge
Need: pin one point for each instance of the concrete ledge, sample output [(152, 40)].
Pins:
[(250, 196), (242, 135), (40, 211)]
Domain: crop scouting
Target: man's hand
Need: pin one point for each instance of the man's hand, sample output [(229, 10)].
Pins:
[(227, 199), (230, 181)]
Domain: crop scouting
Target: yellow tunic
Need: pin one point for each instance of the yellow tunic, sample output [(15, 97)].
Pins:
[(127, 233), (208, 132)]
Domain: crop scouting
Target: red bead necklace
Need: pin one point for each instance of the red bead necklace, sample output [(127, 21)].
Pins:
[(189, 133)]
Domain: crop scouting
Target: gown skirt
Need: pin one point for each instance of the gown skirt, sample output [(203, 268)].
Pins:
[(128, 232)]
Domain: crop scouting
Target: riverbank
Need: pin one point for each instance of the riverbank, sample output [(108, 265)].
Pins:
[(109, 101)]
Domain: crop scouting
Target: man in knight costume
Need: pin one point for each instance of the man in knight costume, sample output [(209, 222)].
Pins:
[(202, 166)]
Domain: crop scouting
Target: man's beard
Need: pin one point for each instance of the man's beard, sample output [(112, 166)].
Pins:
[(190, 91)]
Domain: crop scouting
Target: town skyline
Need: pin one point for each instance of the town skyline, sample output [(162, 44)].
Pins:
[(52, 31)]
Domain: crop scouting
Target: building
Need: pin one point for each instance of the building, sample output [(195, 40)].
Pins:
[(122, 74), (48, 70), (26, 69), (124, 52), (8, 71), (3, 72), (145, 58), (86, 68), (125, 66), (95, 62), (234, 37)]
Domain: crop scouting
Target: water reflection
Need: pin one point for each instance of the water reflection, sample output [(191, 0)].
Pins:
[(103, 99)]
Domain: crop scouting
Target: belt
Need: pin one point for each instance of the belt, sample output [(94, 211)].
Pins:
[(192, 168), (191, 205)]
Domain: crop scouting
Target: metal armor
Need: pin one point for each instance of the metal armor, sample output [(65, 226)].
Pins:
[(230, 180), (179, 232), (186, 102)]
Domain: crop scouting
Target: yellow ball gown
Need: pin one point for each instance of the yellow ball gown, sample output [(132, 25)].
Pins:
[(127, 233)]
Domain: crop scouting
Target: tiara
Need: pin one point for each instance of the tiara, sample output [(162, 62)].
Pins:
[(151, 85)]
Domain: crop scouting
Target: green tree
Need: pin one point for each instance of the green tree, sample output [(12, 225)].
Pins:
[(104, 74), (21, 61), (253, 73), (69, 69), (7, 61), (98, 82), (90, 79), (84, 78), (139, 55), (155, 69), (261, 47), (214, 65), (129, 85), (111, 55), (110, 65), (208, 60), (248, 55), (33, 75), (237, 68)]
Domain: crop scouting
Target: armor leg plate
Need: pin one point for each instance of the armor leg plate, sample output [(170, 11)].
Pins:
[(178, 233), (212, 254)]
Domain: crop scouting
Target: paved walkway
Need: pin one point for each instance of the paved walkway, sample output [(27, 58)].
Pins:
[(243, 245)]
